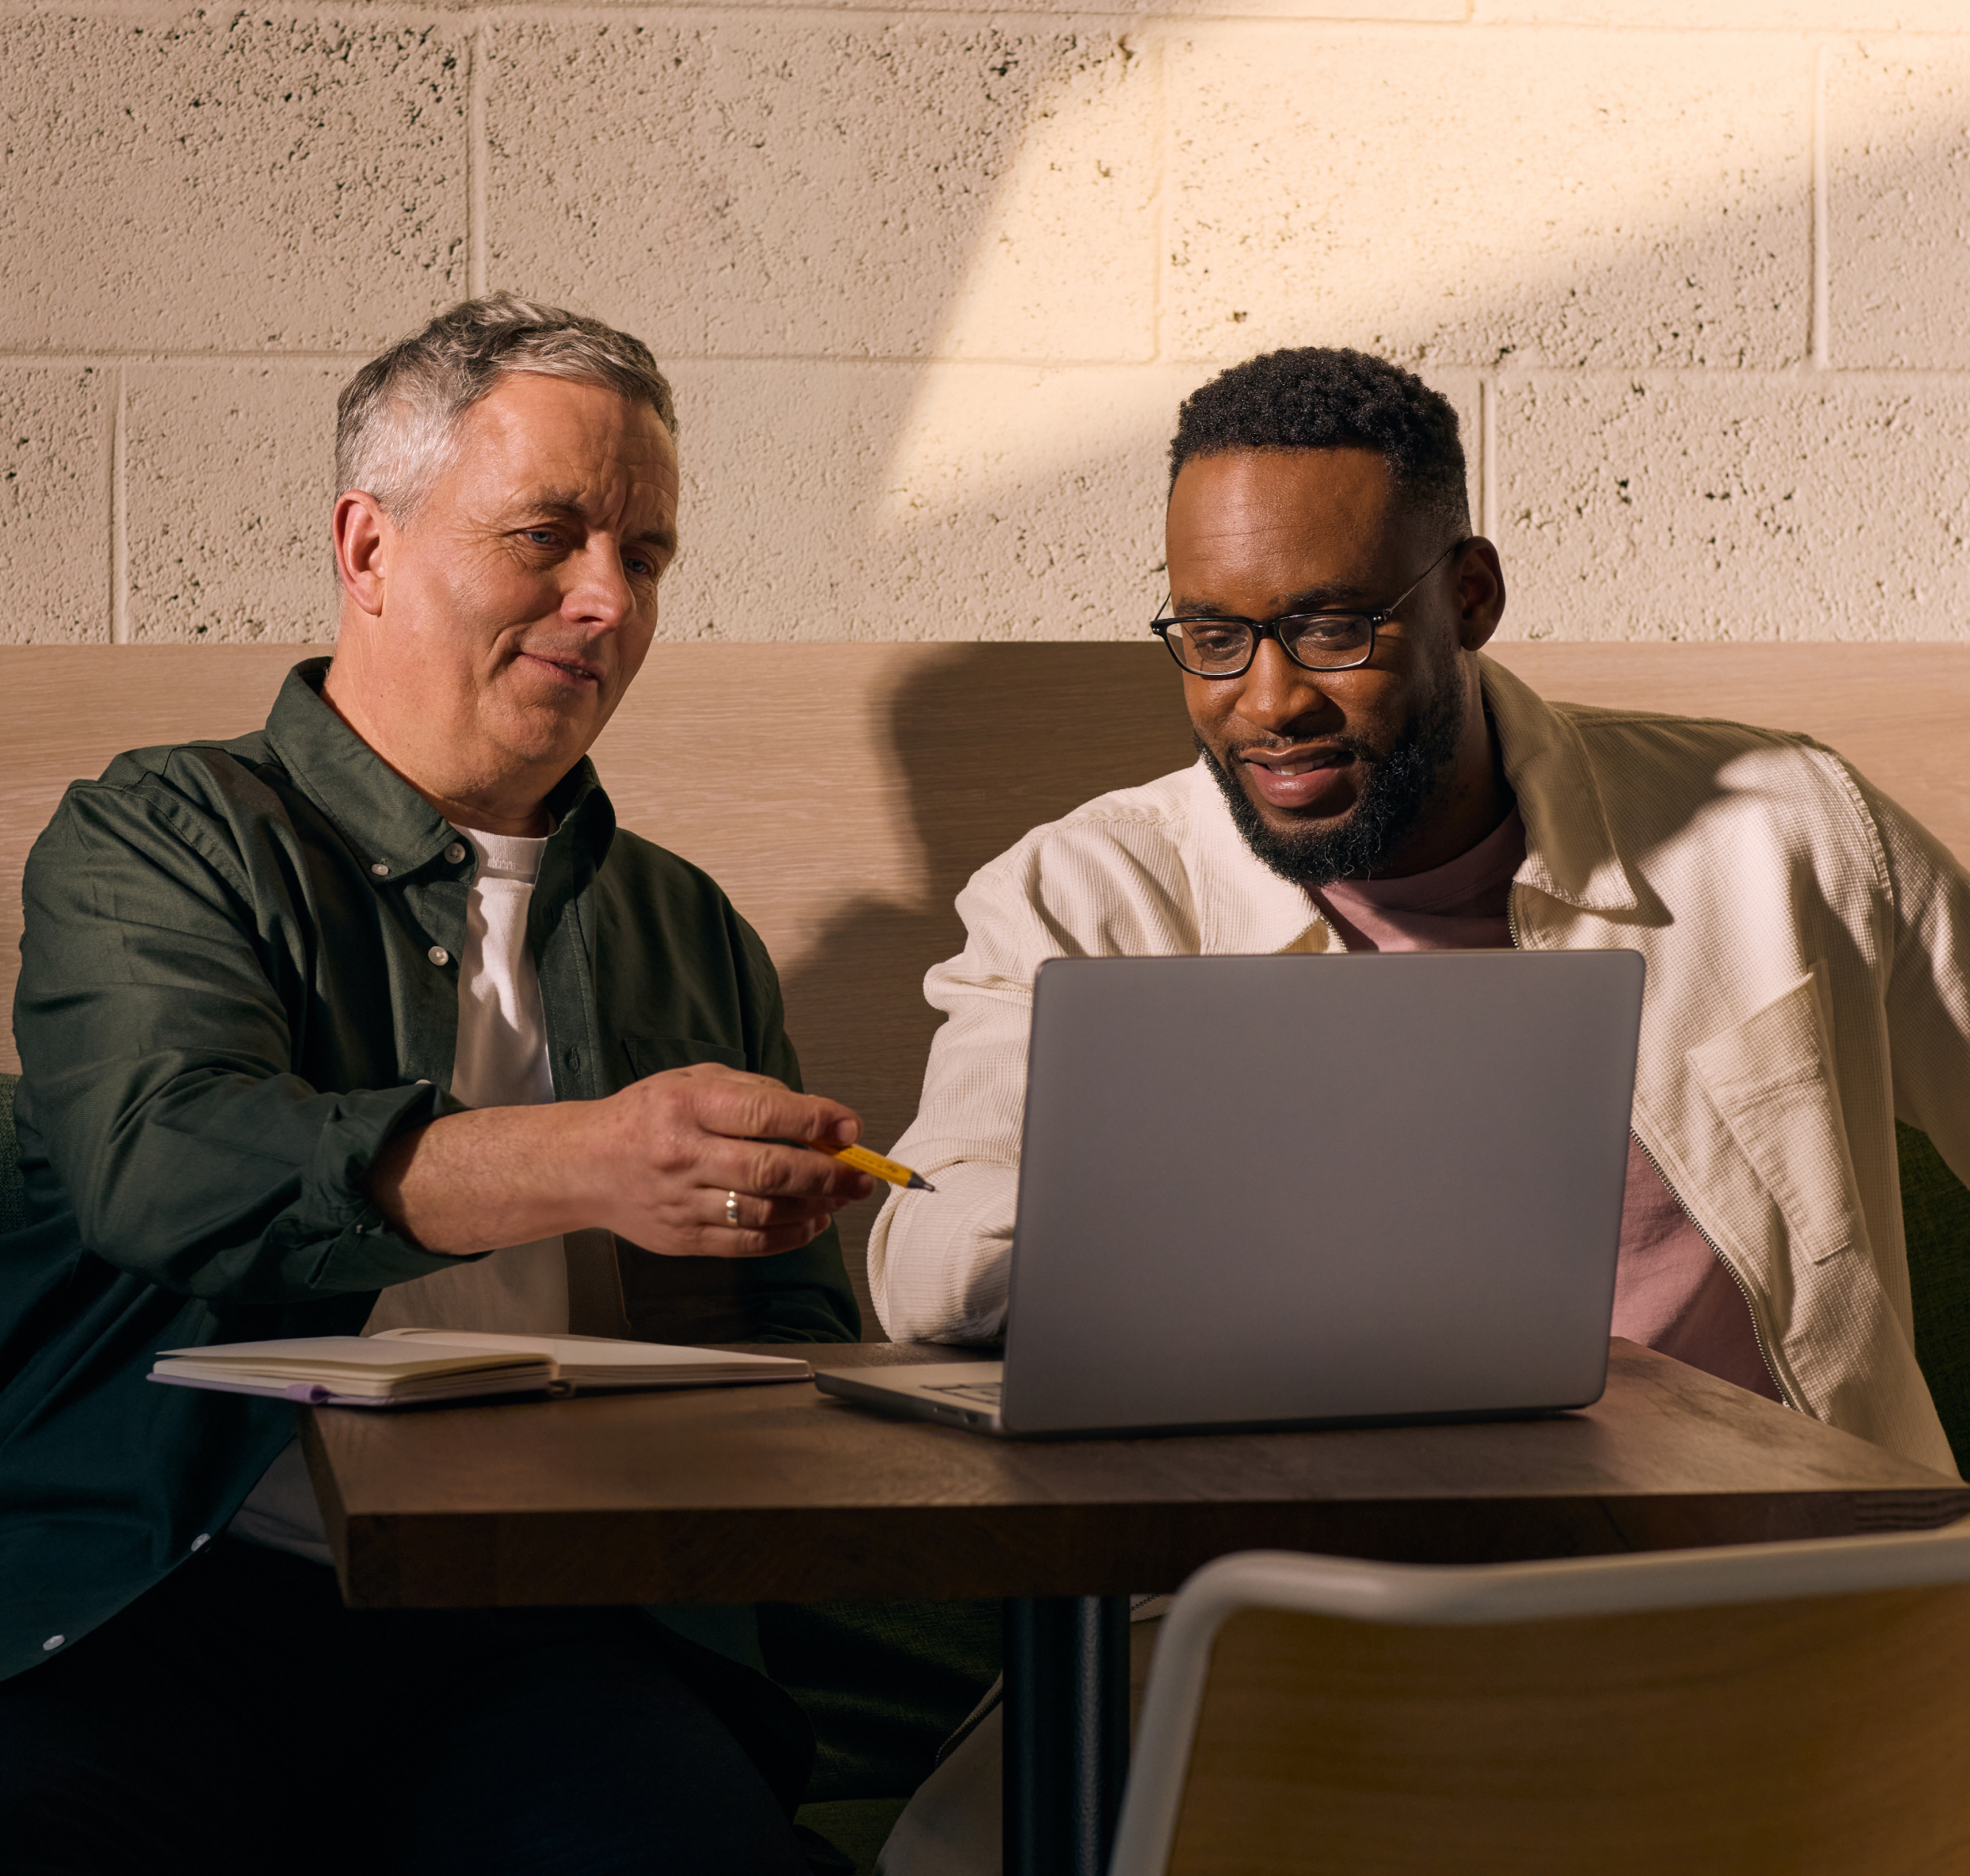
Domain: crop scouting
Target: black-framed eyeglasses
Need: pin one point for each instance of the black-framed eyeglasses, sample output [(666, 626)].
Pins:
[(1221, 647)]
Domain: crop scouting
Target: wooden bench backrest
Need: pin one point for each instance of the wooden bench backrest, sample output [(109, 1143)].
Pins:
[(842, 793)]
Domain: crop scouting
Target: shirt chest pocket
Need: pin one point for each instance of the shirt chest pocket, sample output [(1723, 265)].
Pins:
[(1771, 1079), (653, 1055)]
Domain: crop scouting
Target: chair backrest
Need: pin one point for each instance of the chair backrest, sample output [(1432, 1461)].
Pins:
[(1789, 1710)]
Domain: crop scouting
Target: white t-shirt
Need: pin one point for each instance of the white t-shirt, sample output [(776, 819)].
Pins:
[(502, 1061)]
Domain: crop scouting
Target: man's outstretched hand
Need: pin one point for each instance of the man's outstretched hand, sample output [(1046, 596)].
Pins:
[(654, 1164), (679, 1143)]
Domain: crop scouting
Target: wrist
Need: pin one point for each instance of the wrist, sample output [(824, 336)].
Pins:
[(578, 1176)]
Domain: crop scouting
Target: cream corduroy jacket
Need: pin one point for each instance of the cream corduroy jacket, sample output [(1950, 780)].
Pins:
[(1805, 940)]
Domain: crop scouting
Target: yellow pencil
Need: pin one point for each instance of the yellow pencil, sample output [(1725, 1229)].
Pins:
[(876, 1165)]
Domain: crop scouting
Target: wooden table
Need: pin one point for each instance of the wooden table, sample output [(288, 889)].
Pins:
[(780, 1494)]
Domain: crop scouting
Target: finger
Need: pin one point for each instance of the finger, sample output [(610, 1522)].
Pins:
[(748, 1106), (691, 1237), (778, 1172), (755, 1213), (767, 1238)]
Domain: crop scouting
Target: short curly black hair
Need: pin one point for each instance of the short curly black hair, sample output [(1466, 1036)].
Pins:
[(1317, 397)]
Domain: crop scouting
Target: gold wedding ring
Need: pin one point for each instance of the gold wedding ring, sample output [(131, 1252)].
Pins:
[(732, 1209)]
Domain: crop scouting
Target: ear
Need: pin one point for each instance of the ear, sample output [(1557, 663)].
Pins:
[(1481, 593), (364, 536)]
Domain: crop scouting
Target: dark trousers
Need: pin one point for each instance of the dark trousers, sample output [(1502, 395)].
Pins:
[(238, 1718)]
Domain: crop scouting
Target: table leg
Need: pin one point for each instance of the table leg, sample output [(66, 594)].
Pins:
[(1066, 1732)]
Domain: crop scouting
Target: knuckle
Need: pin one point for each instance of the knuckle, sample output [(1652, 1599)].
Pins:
[(759, 1108), (763, 1169)]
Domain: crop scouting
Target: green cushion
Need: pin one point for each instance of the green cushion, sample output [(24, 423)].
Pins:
[(12, 1198), (884, 1684), (1936, 1219)]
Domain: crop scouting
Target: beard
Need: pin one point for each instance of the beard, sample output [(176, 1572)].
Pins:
[(1398, 786)]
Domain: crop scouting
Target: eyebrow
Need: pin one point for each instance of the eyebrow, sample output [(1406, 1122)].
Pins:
[(1312, 599), (562, 504)]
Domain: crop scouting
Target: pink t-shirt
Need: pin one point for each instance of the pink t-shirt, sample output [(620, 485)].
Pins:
[(1671, 1290)]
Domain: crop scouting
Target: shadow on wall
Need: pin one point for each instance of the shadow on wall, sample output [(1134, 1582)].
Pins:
[(982, 755)]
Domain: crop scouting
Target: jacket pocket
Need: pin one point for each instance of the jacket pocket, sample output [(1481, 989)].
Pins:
[(1771, 1078), (653, 1055)]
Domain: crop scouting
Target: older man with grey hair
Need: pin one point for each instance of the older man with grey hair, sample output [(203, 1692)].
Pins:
[(374, 1017)]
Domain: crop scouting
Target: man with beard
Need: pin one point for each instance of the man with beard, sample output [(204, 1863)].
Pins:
[(1367, 781)]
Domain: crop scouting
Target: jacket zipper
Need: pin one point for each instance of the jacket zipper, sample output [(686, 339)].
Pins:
[(1743, 1288)]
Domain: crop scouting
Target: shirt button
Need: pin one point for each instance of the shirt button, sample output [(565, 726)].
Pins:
[(52, 1643), (573, 1058), (438, 955), (455, 852), (380, 869), (199, 1542)]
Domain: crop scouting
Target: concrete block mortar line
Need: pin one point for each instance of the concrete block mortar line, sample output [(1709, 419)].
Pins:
[(1153, 48), (1818, 349), (1882, 377), (119, 517), (110, 360), (476, 158), (1069, 16), (956, 16), (1715, 374), (873, 361)]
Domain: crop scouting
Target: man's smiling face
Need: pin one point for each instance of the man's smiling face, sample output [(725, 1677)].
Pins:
[(512, 610), (1338, 773)]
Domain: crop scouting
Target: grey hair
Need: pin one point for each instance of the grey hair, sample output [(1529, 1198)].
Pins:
[(397, 420)]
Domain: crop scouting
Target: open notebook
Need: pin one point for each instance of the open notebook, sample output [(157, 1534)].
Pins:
[(400, 1367)]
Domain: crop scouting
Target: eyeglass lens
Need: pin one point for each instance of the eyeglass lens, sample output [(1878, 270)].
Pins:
[(1322, 642)]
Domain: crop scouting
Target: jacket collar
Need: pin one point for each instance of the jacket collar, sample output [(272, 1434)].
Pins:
[(1244, 906), (1569, 852), (386, 822)]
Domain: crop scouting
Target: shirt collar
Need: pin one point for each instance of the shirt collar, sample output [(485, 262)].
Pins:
[(390, 826)]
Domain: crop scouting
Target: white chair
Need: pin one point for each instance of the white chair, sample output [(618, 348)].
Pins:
[(1789, 1709)]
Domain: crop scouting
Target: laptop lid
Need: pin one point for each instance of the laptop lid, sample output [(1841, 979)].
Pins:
[(1310, 1188)]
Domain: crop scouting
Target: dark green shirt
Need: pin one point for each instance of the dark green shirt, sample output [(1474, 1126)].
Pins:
[(239, 978)]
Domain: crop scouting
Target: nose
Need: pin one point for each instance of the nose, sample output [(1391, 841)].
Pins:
[(1275, 695), (598, 591)]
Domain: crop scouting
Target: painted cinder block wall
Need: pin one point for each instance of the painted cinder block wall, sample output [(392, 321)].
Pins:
[(1697, 273)]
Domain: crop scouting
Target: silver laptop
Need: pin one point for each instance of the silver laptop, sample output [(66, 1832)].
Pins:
[(1307, 1192)]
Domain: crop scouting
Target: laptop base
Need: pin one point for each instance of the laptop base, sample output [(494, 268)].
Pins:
[(962, 1394)]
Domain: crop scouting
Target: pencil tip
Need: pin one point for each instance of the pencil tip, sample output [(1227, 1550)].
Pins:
[(918, 1182)]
